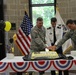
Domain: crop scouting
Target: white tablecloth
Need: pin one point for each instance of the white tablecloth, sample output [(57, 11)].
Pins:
[(17, 64)]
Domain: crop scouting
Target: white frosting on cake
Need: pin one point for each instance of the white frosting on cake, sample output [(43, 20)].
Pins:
[(49, 54)]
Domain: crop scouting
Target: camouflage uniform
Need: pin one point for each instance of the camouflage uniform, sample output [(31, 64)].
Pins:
[(70, 34), (38, 39)]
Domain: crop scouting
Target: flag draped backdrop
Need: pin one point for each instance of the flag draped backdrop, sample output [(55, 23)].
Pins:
[(59, 19), (68, 44), (23, 39)]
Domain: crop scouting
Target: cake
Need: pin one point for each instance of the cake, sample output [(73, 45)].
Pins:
[(10, 55), (49, 54)]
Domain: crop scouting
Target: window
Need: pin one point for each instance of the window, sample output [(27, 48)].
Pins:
[(42, 8)]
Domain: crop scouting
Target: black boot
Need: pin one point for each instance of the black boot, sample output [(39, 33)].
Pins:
[(30, 73), (53, 72), (41, 73), (60, 72), (66, 72), (19, 73)]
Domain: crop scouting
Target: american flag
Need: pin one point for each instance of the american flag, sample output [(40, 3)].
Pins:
[(23, 35)]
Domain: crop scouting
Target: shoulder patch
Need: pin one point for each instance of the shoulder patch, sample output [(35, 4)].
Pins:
[(35, 31), (59, 27), (49, 28)]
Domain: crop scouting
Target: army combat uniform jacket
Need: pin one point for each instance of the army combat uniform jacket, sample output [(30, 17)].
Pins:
[(70, 34), (38, 39)]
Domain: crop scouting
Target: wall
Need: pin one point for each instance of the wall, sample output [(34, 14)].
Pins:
[(14, 12), (67, 9)]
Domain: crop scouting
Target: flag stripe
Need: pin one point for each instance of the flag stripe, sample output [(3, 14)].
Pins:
[(20, 48), (23, 35), (21, 41)]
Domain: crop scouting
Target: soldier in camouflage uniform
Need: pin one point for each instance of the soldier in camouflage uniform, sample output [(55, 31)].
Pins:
[(38, 34), (70, 34)]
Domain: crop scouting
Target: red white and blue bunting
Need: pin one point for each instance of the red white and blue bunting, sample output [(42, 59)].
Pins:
[(63, 64), (20, 66), (41, 65), (3, 66)]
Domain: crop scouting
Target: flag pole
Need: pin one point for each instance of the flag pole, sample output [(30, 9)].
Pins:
[(55, 3)]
